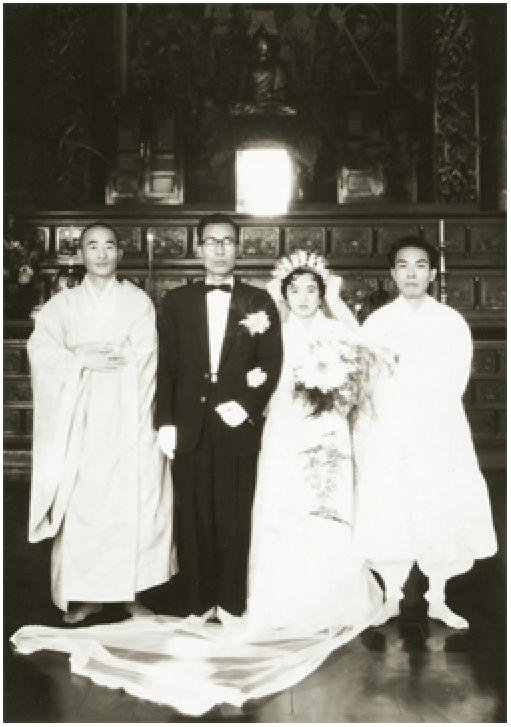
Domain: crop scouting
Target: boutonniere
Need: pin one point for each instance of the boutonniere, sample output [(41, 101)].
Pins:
[(256, 322)]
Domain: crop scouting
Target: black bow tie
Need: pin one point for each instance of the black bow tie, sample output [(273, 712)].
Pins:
[(224, 286)]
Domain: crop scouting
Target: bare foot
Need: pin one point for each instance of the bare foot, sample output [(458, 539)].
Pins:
[(136, 609), (79, 613), (442, 612)]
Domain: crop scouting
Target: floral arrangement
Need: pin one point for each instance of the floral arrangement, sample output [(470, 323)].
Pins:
[(21, 261), (256, 322), (334, 376)]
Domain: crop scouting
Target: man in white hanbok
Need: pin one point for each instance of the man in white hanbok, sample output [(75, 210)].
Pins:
[(100, 486), (422, 496)]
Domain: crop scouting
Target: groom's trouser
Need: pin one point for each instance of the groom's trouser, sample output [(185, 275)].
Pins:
[(395, 573), (214, 491)]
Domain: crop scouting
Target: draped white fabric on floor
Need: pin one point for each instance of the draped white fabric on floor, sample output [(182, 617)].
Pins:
[(186, 663)]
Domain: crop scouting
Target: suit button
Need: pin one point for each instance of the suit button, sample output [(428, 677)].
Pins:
[(203, 400)]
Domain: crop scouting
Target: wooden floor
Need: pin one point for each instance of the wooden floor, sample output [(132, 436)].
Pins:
[(410, 670)]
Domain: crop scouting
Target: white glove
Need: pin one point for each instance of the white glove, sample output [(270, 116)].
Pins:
[(256, 377), (232, 413), (167, 440)]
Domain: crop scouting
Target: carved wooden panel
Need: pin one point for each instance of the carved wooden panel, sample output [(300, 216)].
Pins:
[(482, 423), (460, 292), (351, 241), (493, 292), (161, 285), (169, 242), (12, 360), (67, 241), (490, 392), (130, 238), (502, 423), (43, 238), (389, 234), (259, 242), (305, 238), (455, 113), (488, 240), (17, 390), (484, 361), (502, 361), (12, 422), (258, 282), (454, 239)]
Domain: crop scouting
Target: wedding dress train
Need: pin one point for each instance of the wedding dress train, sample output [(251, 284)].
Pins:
[(308, 592)]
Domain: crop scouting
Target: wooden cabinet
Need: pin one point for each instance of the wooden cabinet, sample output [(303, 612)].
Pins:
[(160, 253)]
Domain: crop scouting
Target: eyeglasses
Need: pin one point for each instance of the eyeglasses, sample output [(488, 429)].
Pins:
[(212, 242)]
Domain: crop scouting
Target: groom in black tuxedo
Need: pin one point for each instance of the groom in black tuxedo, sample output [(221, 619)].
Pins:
[(220, 360)]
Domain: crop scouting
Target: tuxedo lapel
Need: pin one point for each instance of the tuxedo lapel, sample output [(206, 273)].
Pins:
[(233, 320), (201, 322)]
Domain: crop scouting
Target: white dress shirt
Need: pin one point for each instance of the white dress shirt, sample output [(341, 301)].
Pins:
[(217, 302)]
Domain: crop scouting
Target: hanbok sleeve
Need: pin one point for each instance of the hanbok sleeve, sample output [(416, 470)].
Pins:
[(144, 348), (449, 365), (57, 379)]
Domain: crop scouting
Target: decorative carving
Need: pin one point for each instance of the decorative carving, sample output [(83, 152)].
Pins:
[(351, 241), (482, 423), (12, 422), (490, 392), (17, 390), (493, 292), (264, 85), (501, 424), (305, 238), (456, 137), (12, 360), (68, 105), (502, 362), (387, 235), (362, 295), (259, 282), (130, 238), (67, 243), (488, 240), (259, 242), (484, 361), (169, 242), (460, 292), (454, 237)]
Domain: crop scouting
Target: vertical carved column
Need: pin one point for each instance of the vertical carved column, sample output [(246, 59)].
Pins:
[(67, 112), (456, 104)]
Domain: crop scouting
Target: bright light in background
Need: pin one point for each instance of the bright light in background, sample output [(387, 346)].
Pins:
[(264, 181)]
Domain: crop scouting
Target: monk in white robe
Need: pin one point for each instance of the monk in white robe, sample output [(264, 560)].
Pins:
[(100, 486), (421, 494)]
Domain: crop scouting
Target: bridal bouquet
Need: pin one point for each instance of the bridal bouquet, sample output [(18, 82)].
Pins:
[(332, 376)]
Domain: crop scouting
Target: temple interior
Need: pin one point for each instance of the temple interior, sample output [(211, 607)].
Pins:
[(334, 128)]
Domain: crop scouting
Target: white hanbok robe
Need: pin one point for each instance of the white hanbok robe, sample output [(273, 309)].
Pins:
[(100, 485), (421, 494)]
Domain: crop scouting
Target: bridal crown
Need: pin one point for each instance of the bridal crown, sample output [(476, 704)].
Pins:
[(300, 259)]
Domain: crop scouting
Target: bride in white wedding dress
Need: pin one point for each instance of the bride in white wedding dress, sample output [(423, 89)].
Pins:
[(303, 573), (309, 593)]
